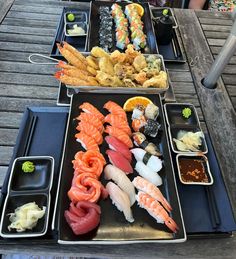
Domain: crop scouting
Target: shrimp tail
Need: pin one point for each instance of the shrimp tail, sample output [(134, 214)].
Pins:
[(170, 223)]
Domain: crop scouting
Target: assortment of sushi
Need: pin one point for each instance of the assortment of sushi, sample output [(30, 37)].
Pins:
[(121, 23), (89, 165), (138, 37), (105, 29)]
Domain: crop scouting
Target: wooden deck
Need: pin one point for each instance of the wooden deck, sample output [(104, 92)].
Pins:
[(29, 27)]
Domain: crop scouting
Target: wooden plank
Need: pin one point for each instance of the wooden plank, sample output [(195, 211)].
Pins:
[(28, 91), (34, 16), (5, 6), (19, 105), (27, 30), (19, 67), (22, 47), (214, 21), (22, 38), (31, 23), (230, 69), (5, 155), (14, 56), (3, 171), (216, 42), (232, 90), (8, 136), (215, 35), (229, 79), (213, 15), (26, 79), (179, 76), (10, 119), (185, 98), (215, 50), (216, 28), (37, 9), (183, 87), (216, 105)]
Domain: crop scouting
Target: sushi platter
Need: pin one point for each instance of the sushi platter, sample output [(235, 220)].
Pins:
[(144, 228)]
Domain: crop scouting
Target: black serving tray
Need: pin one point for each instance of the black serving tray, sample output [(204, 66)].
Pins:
[(93, 37), (113, 228), (62, 98), (79, 42)]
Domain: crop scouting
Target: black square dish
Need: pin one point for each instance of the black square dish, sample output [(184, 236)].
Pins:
[(157, 13), (194, 169), (174, 114), (39, 179), (71, 26), (14, 201), (78, 16)]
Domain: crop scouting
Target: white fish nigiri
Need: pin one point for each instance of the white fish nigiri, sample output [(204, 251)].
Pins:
[(148, 174), (153, 162), (120, 199), (119, 177)]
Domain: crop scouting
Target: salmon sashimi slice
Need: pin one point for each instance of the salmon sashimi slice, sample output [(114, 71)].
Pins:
[(115, 109), (144, 185), (92, 119), (119, 134), (83, 217), (85, 187), (119, 122), (89, 108), (89, 162), (90, 130), (155, 209), (86, 141)]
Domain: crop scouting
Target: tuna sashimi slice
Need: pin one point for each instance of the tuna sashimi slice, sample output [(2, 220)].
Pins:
[(118, 160)]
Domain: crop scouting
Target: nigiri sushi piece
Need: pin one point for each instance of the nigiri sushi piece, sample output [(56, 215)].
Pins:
[(155, 209), (138, 124), (112, 172), (119, 122), (86, 141), (144, 185), (89, 108), (120, 134), (121, 200), (90, 130), (92, 119), (115, 109), (118, 160), (153, 162), (141, 141), (117, 145), (148, 174)]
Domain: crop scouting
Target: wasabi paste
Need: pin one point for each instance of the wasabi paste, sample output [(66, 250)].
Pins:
[(28, 167)]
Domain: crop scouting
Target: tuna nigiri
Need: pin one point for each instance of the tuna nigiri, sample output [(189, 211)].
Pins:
[(121, 200), (119, 161), (148, 174), (89, 108), (117, 145), (120, 134), (111, 172), (153, 162)]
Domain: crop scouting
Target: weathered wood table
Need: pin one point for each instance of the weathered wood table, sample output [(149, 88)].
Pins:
[(29, 27)]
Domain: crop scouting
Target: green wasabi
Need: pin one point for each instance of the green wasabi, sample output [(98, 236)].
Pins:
[(186, 112), (28, 167)]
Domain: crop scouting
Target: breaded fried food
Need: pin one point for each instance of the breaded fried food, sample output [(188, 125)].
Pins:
[(105, 79), (140, 78), (98, 52), (123, 71), (92, 62), (159, 81), (129, 83), (92, 71), (106, 66), (131, 54), (139, 63), (117, 57)]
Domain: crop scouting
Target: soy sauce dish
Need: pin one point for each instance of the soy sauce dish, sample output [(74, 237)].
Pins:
[(26, 208), (194, 169)]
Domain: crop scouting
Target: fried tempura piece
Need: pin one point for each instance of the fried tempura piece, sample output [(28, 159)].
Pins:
[(140, 78), (131, 54), (92, 62), (62, 64), (159, 81), (140, 63), (117, 57), (75, 52), (129, 83), (92, 71), (105, 79), (106, 66), (76, 73), (98, 52), (123, 71), (151, 72)]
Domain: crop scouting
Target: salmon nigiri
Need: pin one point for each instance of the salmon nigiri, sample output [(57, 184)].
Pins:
[(115, 109), (92, 119), (86, 141), (119, 122), (120, 134), (89, 108)]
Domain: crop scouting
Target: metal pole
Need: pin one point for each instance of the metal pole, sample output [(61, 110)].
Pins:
[(223, 58)]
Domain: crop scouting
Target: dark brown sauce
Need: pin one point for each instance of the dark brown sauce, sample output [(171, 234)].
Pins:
[(192, 170)]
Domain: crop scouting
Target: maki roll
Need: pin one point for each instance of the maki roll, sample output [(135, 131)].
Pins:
[(151, 128)]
